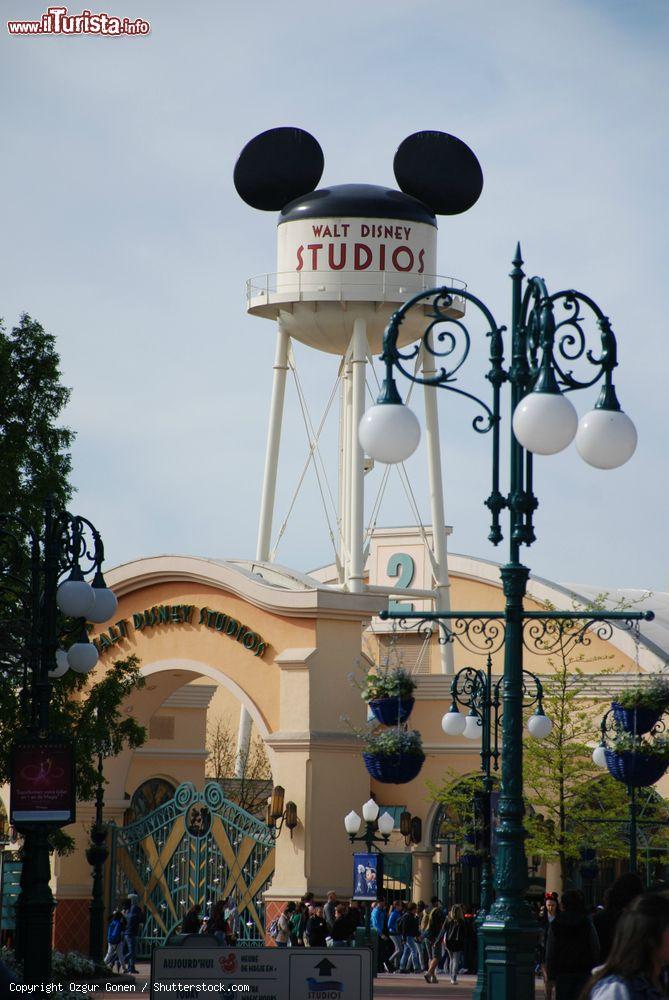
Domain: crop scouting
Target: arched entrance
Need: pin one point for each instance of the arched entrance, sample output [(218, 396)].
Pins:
[(194, 848)]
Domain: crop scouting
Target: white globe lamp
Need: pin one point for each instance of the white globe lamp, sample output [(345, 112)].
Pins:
[(454, 722), (539, 725), (370, 811), (599, 755), (352, 823), (606, 439), (62, 665), (75, 597), (545, 422), (473, 727), (389, 432), (105, 601), (82, 657), (386, 824)]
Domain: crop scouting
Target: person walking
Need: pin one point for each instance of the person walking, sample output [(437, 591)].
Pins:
[(409, 927), (434, 938), (550, 912), (378, 923), (134, 920), (341, 929), (453, 937), (625, 888), (572, 947), (639, 950), (114, 956), (395, 935), (329, 909), (316, 928), (191, 921), (282, 933)]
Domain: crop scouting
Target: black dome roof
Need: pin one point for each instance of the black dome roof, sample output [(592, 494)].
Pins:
[(357, 200)]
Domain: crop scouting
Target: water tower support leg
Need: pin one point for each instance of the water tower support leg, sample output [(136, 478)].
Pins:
[(439, 535), (357, 476), (345, 468), (273, 443), (267, 505)]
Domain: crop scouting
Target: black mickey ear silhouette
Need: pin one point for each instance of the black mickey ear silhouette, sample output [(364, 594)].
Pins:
[(440, 170), (277, 166)]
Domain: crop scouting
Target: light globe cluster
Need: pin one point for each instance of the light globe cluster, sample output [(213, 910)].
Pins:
[(95, 603), (455, 723), (544, 423)]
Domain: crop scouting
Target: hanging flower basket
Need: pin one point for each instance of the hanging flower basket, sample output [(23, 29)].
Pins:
[(390, 711), (394, 769), (636, 769), (638, 720)]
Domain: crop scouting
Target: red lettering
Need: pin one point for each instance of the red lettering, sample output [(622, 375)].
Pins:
[(314, 247), (382, 257), (342, 256), (364, 229), (358, 264), (317, 230), (396, 252), (300, 262), (421, 255)]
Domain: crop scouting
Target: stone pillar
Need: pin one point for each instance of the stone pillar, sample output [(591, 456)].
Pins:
[(553, 877), (422, 882)]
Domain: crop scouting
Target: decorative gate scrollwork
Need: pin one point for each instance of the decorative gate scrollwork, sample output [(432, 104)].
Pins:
[(196, 848)]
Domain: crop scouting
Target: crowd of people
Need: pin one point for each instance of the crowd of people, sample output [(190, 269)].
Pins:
[(422, 938), (619, 951)]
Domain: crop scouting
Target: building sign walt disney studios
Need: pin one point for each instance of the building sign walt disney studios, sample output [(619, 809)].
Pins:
[(180, 614)]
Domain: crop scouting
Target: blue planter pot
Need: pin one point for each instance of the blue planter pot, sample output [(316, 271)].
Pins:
[(646, 718), (390, 711), (636, 769), (396, 769)]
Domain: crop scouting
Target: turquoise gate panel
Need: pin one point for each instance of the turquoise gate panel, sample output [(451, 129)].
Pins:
[(196, 848)]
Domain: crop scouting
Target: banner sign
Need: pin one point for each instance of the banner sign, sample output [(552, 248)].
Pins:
[(367, 875), (265, 973), (42, 782)]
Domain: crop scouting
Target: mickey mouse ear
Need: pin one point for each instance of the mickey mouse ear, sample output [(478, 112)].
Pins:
[(277, 166), (440, 170)]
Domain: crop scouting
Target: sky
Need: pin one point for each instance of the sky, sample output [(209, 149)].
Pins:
[(124, 236)]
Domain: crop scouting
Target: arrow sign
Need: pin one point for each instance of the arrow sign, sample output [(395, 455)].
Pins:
[(325, 967)]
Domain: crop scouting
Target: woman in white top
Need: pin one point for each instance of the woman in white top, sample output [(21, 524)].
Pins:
[(638, 954)]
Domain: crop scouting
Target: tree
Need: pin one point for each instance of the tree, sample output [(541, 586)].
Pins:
[(35, 465), (252, 788), (569, 794)]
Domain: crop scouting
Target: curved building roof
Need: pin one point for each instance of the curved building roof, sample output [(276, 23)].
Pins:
[(367, 201)]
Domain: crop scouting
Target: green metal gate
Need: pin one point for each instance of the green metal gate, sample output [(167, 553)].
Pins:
[(196, 848)]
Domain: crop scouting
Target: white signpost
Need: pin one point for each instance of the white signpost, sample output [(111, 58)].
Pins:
[(269, 973)]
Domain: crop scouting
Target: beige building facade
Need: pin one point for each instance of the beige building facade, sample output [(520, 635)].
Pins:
[(212, 636)]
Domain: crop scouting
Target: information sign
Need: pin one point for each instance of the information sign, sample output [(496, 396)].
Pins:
[(42, 782), (270, 973)]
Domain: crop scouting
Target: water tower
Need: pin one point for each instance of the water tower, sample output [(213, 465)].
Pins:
[(347, 256)]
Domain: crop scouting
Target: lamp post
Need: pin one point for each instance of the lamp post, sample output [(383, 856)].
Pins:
[(383, 824), (51, 578), (96, 855), (542, 354), (474, 690)]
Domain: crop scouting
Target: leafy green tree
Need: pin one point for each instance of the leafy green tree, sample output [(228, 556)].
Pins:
[(35, 465)]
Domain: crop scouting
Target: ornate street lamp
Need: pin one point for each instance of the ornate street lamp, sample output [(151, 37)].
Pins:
[(542, 352), (474, 690), (60, 555), (375, 822)]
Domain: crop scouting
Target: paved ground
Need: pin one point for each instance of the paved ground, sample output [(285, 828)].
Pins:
[(386, 987)]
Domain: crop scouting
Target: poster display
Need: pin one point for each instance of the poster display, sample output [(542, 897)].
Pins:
[(367, 876), (42, 782)]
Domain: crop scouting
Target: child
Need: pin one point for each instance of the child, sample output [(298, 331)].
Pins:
[(115, 940)]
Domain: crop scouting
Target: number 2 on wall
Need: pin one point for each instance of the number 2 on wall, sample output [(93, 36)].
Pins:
[(403, 567)]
